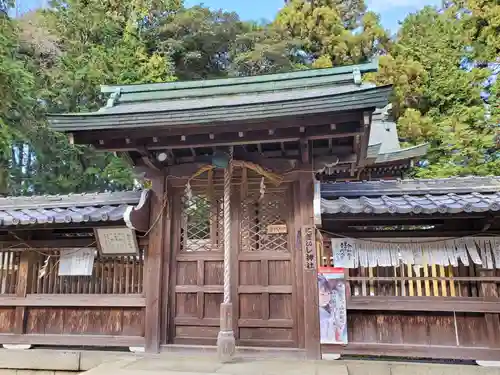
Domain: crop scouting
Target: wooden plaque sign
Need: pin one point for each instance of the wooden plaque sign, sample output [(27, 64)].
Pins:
[(309, 247), (117, 241), (277, 229)]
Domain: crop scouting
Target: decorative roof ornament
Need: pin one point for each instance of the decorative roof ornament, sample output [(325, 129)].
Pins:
[(113, 98), (387, 112), (356, 73)]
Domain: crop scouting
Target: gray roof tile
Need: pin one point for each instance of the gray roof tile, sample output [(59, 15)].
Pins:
[(445, 196), (73, 208)]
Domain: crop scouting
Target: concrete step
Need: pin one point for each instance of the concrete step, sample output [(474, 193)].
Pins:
[(179, 364)]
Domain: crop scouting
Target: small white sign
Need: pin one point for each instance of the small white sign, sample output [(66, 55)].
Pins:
[(76, 262), (343, 252), (117, 241), (277, 229)]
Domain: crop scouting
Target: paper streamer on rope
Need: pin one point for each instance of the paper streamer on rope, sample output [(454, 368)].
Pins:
[(353, 253)]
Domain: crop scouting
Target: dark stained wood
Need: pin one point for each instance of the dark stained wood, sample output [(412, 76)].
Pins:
[(171, 308), (77, 300), (133, 322), (294, 238), (24, 278), (232, 138), (266, 268), (99, 321), (311, 316), (490, 291), (352, 117), (154, 263), (196, 290), (50, 245), (167, 263), (445, 304), (236, 199), (7, 319)]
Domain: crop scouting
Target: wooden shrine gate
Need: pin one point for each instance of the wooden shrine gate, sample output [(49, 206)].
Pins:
[(263, 265)]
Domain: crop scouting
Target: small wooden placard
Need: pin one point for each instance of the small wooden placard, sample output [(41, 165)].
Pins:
[(277, 229), (309, 247), (116, 241)]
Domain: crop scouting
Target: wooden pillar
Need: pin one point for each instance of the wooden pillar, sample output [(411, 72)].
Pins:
[(489, 291), (168, 250), (226, 343), (24, 276), (310, 276), (154, 263)]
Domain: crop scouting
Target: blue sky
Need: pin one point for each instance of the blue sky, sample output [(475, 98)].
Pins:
[(391, 11)]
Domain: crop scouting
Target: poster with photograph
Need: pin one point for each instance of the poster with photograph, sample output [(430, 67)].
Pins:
[(332, 305)]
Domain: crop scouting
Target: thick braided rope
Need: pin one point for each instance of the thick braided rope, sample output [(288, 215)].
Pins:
[(227, 228)]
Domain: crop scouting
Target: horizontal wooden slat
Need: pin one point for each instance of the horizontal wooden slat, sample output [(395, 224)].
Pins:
[(457, 304), (74, 300), (271, 323), (72, 340), (268, 343), (437, 278), (186, 321), (276, 289), (201, 255), (194, 341), (55, 244), (264, 255), (422, 351), (196, 289)]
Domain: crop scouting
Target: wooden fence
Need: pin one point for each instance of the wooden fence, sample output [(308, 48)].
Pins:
[(432, 311), (41, 308)]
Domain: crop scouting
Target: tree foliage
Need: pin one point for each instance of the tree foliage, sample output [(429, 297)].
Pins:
[(442, 63), (439, 93)]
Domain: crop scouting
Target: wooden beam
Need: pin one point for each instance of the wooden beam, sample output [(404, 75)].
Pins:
[(87, 137), (365, 138), (310, 276), (24, 277), (489, 290), (73, 300), (232, 138), (53, 244), (441, 304), (72, 340), (168, 251), (154, 264), (304, 151), (146, 156)]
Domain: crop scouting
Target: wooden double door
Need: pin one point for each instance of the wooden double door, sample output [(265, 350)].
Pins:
[(264, 270)]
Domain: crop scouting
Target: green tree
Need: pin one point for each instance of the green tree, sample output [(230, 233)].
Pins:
[(198, 40), (68, 51), (334, 31), (265, 49), (437, 96)]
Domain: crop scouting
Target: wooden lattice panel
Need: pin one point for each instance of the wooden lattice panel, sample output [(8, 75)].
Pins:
[(202, 218), (9, 266), (110, 275), (258, 213)]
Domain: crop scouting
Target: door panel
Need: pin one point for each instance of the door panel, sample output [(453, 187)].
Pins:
[(263, 289)]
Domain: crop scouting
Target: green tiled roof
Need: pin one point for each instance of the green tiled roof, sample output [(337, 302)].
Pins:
[(233, 99)]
